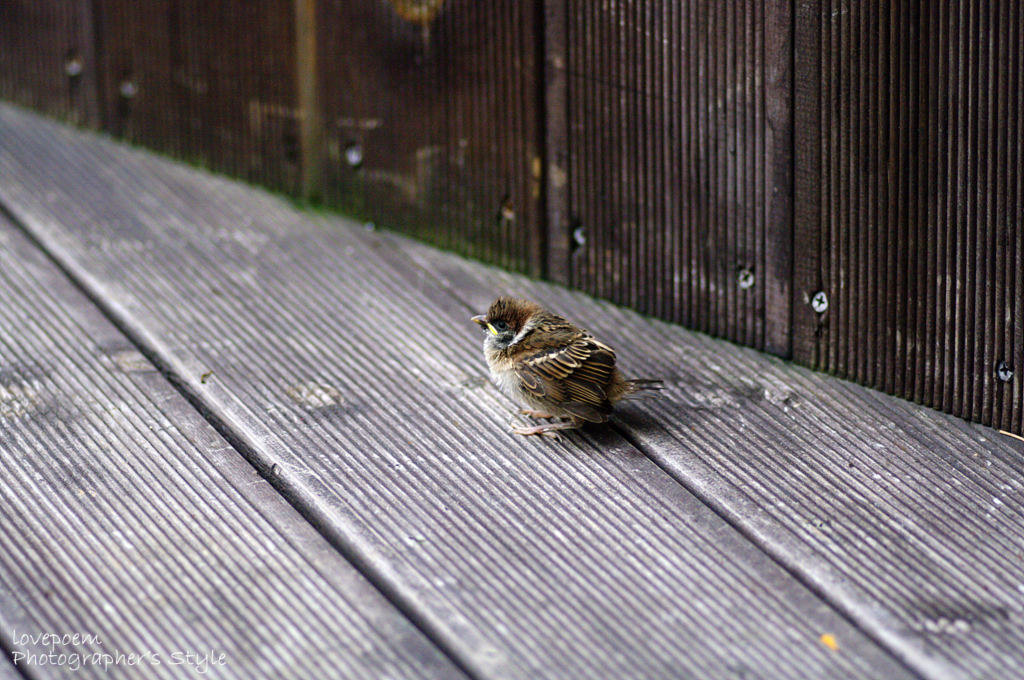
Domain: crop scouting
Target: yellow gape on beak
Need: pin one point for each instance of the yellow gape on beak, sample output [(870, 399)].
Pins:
[(482, 320)]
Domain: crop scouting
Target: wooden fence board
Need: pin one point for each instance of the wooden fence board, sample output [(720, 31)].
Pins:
[(432, 122), (48, 58), (908, 205), (212, 83), (727, 166), (680, 181)]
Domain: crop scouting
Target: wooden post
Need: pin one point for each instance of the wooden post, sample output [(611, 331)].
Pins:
[(778, 129), (91, 49), (807, 245), (555, 134), (311, 129)]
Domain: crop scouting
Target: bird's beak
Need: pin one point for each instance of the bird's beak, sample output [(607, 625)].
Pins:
[(482, 320)]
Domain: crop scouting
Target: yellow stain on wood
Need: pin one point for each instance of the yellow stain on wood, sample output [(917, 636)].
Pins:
[(420, 12), (830, 642)]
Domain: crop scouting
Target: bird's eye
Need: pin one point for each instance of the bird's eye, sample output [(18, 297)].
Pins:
[(501, 326)]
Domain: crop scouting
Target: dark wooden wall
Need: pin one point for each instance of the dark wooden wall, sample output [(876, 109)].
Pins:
[(209, 82), (431, 119), (910, 202), (47, 58), (829, 180), (678, 163)]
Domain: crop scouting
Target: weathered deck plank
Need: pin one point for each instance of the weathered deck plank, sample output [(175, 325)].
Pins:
[(128, 519), (8, 671), (360, 388), (908, 520)]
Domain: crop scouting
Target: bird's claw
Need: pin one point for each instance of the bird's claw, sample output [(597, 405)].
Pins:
[(535, 414), (540, 430)]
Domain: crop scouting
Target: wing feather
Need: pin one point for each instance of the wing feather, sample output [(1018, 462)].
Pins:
[(573, 374)]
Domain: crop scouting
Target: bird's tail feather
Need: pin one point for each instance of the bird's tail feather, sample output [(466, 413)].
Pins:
[(639, 385)]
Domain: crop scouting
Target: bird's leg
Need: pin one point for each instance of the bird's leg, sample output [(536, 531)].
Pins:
[(549, 429), (535, 414)]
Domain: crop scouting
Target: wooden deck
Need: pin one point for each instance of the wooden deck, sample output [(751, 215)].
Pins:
[(266, 437)]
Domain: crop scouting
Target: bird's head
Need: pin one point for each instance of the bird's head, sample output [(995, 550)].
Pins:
[(507, 319)]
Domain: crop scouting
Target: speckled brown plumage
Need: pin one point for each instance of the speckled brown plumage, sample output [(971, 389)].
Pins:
[(556, 369)]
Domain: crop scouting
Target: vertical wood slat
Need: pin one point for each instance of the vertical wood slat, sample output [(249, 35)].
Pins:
[(1013, 393), (679, 193), (311, 129), (91, 46), (48, 58), (774, 231), (556, 168), (808, 260), (908, 204), (443, 101)]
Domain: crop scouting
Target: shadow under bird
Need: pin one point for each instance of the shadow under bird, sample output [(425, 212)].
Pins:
[(552, 367)]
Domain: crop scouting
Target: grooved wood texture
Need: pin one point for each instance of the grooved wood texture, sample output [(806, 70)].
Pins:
[(910, 203), (8, 671), (431, 118), (128, 518), (212, 83), (47, 58), (909, 521), (639, 150), (356, 381), (678, 177)]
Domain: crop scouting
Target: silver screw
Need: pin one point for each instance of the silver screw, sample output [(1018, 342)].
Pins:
[(128, 89), (73, 67), (354, 155), (580, 236), (819, 302), (1004, 371), (746, 279)]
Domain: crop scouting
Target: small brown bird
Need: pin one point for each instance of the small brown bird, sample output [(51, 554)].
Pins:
[(554, 368)]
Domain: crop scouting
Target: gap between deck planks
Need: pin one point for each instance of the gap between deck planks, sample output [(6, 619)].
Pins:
[(713, 406), (526, 558), (8, 671), (908, 520), (129, 521)]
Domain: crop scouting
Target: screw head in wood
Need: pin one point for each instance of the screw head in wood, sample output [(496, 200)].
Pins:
[(1004, 371), (354, 155), (819, 302), (73, 67), (128, 89), (579, 235), (745, 279)]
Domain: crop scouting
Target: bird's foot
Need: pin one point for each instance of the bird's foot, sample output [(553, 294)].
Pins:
[(549, 430), (536, 414)]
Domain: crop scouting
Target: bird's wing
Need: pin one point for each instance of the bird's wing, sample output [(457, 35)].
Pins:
[(574, 374)]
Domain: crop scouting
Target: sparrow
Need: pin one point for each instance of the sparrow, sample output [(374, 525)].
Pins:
[(552, 367)]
